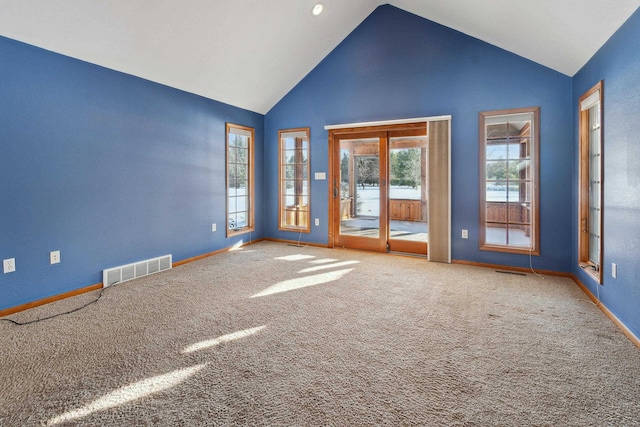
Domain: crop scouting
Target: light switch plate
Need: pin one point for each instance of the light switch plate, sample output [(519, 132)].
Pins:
[(9, 265)]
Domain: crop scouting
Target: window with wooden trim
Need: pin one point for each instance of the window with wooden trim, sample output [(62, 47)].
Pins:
[(590, 186), (294, 184), (509, 180), (240, 177)]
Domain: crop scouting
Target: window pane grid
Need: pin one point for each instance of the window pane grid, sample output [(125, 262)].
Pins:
[(294, 179), (590, 182), (239, 179), (508, 180), (594, 184)]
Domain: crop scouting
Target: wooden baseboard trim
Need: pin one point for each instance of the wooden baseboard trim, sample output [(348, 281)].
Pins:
[(198, 257), (48, 300), (632, 337), (510, 268), (210, 254), (295, 242)]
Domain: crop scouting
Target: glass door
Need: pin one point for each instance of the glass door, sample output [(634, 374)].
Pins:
[(360, 191), (380, 199), (408, 198)]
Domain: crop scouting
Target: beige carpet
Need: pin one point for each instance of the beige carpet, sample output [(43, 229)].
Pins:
[(276, 335)]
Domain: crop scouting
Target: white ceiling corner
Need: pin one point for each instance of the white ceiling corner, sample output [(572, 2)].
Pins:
[(560, 34), (250, 53)]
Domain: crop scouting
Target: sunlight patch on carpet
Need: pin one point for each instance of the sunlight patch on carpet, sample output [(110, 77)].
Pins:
[(129, 393), (237, 246), (303, 282), (222, 339), (297, 257), (326, 266), (323, 261)]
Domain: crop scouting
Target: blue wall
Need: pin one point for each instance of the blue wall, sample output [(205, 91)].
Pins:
[(107, 168), (618, 64), (398, 65)]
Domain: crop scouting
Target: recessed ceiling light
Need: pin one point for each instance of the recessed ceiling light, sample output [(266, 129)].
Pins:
[(317, 9)]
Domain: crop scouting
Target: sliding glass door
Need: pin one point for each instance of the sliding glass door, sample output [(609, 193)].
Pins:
[(408, 206), (380, 190), (360, 188)]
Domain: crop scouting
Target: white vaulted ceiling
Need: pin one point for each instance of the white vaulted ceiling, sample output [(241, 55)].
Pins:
[(250, 53)]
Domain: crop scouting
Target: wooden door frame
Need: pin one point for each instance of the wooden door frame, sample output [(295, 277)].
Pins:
[(371, 244), (333, 138)]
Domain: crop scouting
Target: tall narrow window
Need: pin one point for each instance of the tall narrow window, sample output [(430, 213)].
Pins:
[(590, 192), (240, 193), (294, 180), (509, 171)]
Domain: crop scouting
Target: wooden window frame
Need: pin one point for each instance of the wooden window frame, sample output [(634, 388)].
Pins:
[(301, 214), (584, 199), (534, 156), (249, 227)]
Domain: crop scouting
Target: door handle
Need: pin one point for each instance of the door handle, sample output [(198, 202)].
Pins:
[(335, 192)]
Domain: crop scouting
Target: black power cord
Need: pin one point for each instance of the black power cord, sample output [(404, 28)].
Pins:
[(15, 322)]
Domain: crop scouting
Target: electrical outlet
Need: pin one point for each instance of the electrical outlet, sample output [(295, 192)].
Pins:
[(213, 228), (614, 270), (9, 265), (465, 234), (317, 222), (54, 257)]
